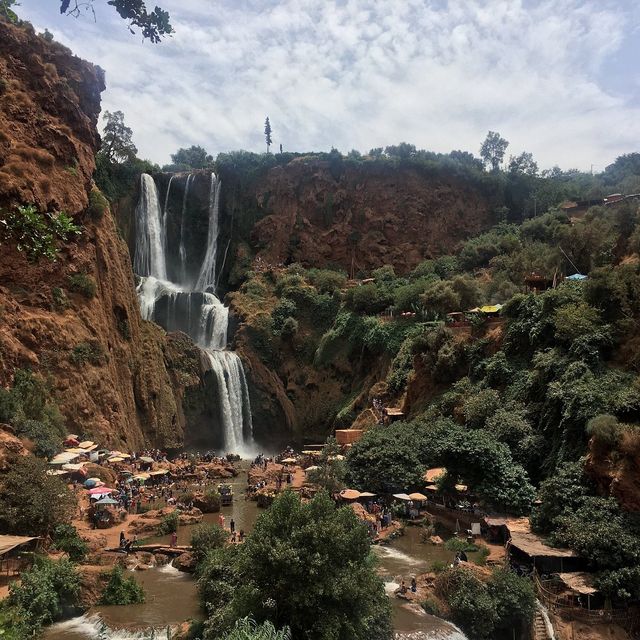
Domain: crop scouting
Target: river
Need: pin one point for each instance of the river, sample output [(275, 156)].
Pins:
[(171, 596)]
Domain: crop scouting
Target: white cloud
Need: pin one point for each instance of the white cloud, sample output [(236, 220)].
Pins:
[(363, 73)]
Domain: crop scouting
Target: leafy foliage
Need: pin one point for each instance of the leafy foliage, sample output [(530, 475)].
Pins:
[(194, 157), (45, 593), (169, 523), (33, 503), (247, 629), (67, 539), (117, 139), (205, 537), (323, 551), (121, 589), (38, 235), (84, 284)]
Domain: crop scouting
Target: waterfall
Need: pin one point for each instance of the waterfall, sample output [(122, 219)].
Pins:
[(194, 310), (149, 257), (207, 276)]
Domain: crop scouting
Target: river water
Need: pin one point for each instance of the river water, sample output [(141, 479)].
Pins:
[(171, 596)]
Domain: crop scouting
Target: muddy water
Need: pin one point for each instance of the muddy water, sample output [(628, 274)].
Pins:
[(404, 557), (171, 596)]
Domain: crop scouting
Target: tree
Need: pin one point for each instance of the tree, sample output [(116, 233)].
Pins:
[(7, 12), (33, 503), (267, 133), (153, 25), (247, 629), (117, 144), (493, 149), (331, 469), (386, 460), (195, 157), (306, 566), (524, 164)]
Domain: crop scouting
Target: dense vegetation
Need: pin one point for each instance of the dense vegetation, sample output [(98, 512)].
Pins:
[(302, 562)]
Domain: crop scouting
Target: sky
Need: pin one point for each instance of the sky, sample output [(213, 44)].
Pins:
[(557, 78)]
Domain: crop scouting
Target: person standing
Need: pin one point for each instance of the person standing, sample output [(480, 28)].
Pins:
[(221, 521), (232, 526), (174, 539)]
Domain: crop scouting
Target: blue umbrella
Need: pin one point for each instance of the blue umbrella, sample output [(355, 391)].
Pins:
[(90, 483)]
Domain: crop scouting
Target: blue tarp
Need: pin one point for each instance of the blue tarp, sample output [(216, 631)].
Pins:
[(577, 276)]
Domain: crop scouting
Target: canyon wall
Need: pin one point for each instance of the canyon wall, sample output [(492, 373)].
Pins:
[(76, 320)]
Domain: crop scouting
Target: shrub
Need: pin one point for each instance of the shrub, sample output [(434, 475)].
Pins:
[(87, 352), (285, 309), (33, 503), (327, 281), (605, 430), (169, 523), (84, 284), (458, 544), (431, 607), (37, 234), (60, 300), (46, 591), (46, 438), (121, 589), (205, 537), (98, 204), (66, 538), (247, 629), (212, 501), (289, 328)]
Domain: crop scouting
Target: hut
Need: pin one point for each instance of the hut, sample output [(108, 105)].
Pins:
[(16, 553)]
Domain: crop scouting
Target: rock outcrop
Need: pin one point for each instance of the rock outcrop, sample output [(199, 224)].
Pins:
[(362, 216), (76, 320)]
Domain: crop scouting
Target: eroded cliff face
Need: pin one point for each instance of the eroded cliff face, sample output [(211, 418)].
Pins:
[(114, 376), (362, 216)]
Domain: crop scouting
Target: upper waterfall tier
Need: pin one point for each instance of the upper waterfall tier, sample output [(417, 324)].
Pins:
[(177, 235)]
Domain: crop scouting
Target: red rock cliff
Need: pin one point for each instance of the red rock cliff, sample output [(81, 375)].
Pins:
[(365, 215), (114, 376)]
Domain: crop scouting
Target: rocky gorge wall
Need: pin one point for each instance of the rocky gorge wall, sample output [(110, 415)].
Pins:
[(76, 321)]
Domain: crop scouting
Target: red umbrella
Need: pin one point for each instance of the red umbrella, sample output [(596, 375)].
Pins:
[(98, 490)]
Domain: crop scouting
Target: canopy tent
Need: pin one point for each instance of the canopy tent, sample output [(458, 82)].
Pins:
[(90, 483), (86, 444), (7, 543), (146, 459), (107, 501), (98, 490), (576, 276), (288, 461), (349, 494), (64, 458), (579, 582), (159, 472), (402, 496), (115, 459), (367, 494), (418, 497), (312, 468), (73, 467), (431, 476)]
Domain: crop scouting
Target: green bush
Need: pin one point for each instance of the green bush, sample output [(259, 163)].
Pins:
[(84, 284), (169, 523), (37, 234), (285, 309), (327, 281), (45, 593), (289, 328), (121, 589), (431, 607), (84, 352), (66, 538), (98, 204), (60, 300), (247, 629), (459, 544), (33, 503), (605, 430), (205, 537), (46, 438)]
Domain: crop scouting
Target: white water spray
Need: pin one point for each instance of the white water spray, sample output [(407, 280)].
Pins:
[(194, 310)]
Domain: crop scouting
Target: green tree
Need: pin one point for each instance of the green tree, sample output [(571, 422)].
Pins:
[(523, 164), (121, 589), (153, 25), (331, 471), (44, 593), (306, 566), (195, 157), (493, 149), (117, 143), (386, 460), (33, 503), (248, 629), (206, 537), (267, 133), (6, 10)]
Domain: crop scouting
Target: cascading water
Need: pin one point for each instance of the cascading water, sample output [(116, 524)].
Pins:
[(194, 309)]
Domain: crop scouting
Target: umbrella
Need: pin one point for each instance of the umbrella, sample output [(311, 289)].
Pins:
[(367, 494), (98, 490), (146, 459), (90, 483), (107, 501), (401, 496), (349, 494), (418, 497), (288, 461)]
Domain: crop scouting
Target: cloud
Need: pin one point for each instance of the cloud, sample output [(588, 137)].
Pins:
[(363, 73)]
